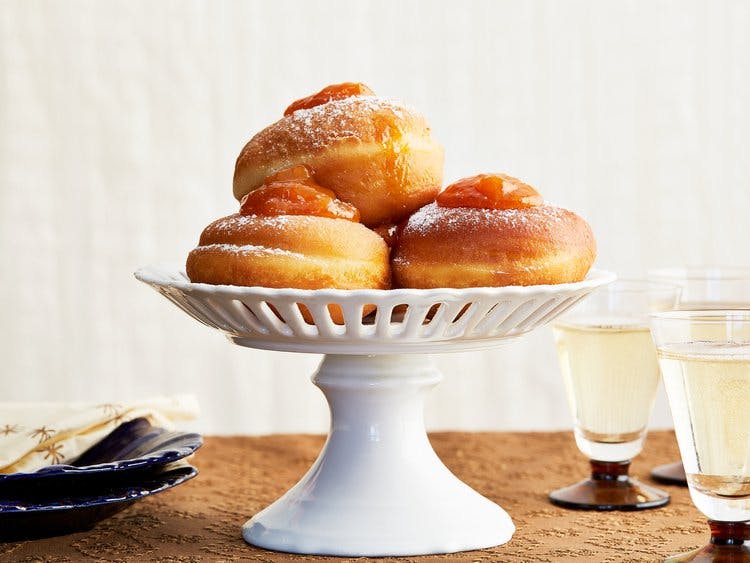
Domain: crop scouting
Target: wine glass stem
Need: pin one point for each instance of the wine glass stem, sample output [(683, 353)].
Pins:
[(609, 470), (729, 533)]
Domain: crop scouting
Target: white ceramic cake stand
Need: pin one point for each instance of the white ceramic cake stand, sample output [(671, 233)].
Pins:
[(377, 487)]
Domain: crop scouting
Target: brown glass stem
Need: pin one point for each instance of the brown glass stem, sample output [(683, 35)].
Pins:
[(670, 474), (729, 533), (609, 470), (730, 543), (609, 488)]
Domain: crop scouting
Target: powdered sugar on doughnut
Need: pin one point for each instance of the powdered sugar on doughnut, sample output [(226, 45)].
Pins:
[(317, 127), (335, 114), (236, 221), (461, 219), (247, 250)]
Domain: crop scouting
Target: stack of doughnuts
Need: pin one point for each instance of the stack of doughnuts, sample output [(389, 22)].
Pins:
[(345, 192)]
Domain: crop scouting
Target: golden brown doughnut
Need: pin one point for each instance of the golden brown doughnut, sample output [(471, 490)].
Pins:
[(372, 152), (297, 251), (282, 248), (520, 241)]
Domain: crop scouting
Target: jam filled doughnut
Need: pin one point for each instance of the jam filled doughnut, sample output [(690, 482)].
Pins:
[(374, 153), (491, 230), (292, 233)]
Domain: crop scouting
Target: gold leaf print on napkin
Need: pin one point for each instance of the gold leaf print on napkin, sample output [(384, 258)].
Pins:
[(42, 434), (53, 453), (8, 429)]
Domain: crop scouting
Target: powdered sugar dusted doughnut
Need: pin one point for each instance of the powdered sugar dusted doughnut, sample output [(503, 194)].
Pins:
[(298, 251), (523, 242), (374, 153), (292, 233)]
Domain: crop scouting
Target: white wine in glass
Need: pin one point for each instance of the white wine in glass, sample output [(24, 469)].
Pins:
[(611, 373)]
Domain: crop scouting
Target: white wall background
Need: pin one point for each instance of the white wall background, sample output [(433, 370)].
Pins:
[(120, 123)]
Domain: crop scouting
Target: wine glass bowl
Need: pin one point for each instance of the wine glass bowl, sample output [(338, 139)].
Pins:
[(705, 363), (702, 288)]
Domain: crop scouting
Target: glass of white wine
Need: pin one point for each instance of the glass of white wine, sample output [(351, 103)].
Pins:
[(705, 362), (611, 374), (703, 287)]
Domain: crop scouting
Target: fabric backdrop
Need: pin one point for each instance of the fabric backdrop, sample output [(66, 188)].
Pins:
[(120, 123)]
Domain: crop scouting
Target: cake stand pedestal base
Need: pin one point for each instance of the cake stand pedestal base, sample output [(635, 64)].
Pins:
[(377, 487)]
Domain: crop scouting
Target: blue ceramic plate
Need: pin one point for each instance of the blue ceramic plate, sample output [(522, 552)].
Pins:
[(45, 511), (133, 446)]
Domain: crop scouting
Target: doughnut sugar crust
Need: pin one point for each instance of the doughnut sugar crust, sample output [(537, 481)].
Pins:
[(295, 251), (473, 247), (372, 152)]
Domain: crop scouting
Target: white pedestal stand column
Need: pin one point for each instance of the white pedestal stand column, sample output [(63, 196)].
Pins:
[(378, 488)]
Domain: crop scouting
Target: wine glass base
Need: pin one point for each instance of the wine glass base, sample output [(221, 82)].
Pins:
[(670, 474), (714, 554), (730, 543), (609, 494)]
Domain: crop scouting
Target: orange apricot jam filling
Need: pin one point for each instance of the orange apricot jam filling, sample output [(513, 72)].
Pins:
[(328, 94), (293, 191), (489, 191)]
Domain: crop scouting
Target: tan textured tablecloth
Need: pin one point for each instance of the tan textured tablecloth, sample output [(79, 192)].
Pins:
[(200, 520)]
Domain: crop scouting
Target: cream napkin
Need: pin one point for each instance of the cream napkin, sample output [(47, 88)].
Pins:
[(34, 435)]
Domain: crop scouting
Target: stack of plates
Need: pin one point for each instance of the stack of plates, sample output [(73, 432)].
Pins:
[(136, 460)]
